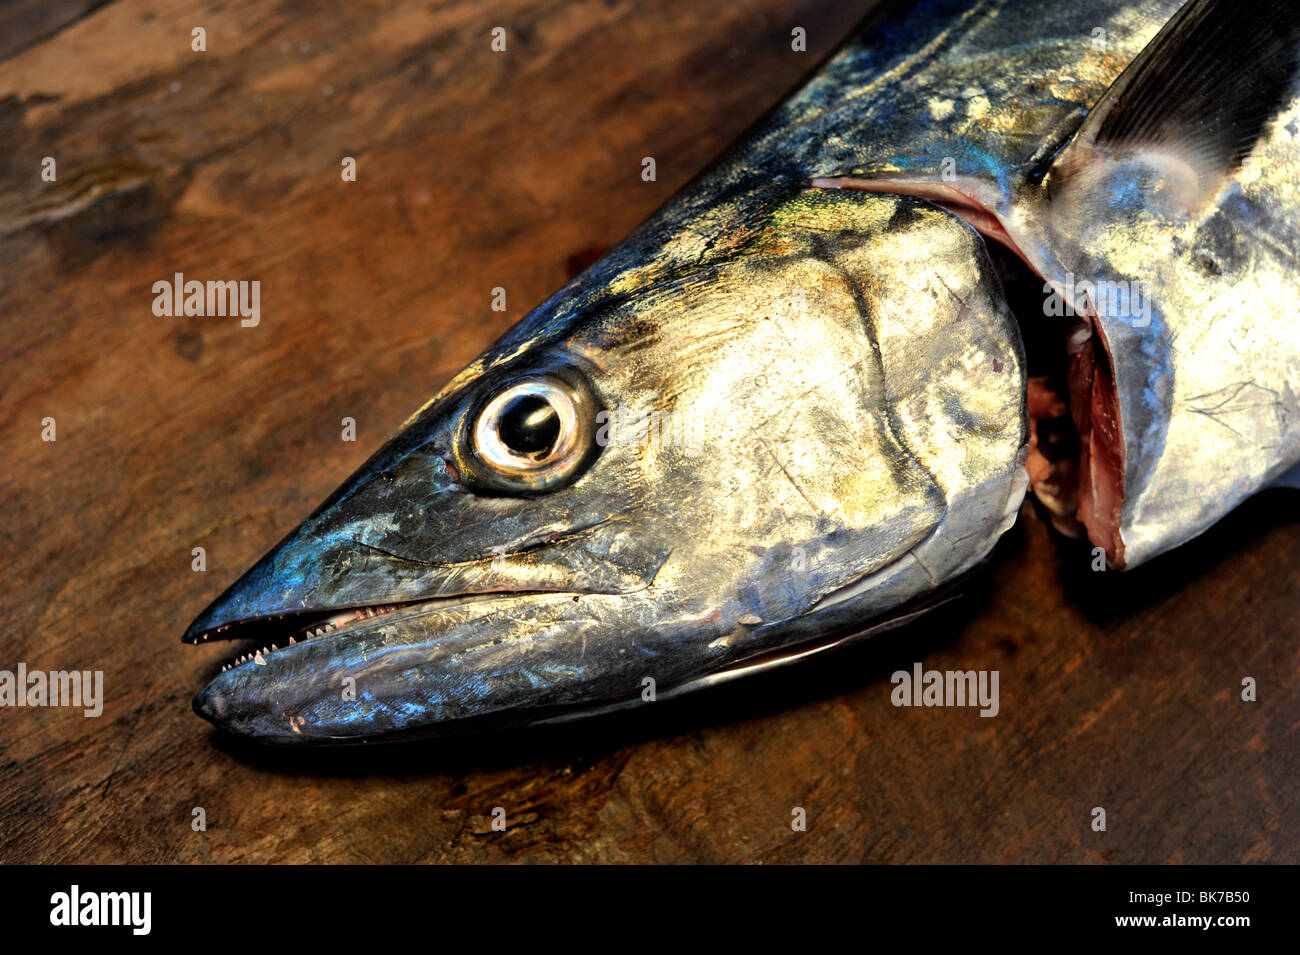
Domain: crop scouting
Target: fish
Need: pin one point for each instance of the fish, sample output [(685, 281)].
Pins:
[(794, 408)]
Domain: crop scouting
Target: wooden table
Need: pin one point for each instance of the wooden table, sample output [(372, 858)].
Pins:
[(479, 169)]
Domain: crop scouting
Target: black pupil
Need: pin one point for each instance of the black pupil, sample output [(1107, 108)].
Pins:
[(529, 425)]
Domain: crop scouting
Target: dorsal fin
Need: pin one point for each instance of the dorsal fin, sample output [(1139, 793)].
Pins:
[(1196, 99)]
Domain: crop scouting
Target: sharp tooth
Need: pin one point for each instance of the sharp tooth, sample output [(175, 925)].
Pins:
[(274, 648), (292, 641), (258, 659)]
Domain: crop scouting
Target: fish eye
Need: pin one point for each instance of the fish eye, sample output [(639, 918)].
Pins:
[(528, 425), (532, 435)]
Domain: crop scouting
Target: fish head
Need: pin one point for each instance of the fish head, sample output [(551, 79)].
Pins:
[(754, 424)]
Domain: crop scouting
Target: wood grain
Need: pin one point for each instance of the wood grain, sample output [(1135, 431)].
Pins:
[(476, 170)]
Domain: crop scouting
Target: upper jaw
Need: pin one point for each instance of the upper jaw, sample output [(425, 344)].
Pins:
[(282, 631)]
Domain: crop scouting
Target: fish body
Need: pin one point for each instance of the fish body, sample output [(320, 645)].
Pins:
[(789, 410)]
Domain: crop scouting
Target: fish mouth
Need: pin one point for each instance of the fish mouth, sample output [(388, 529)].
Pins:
[(389, 670)]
